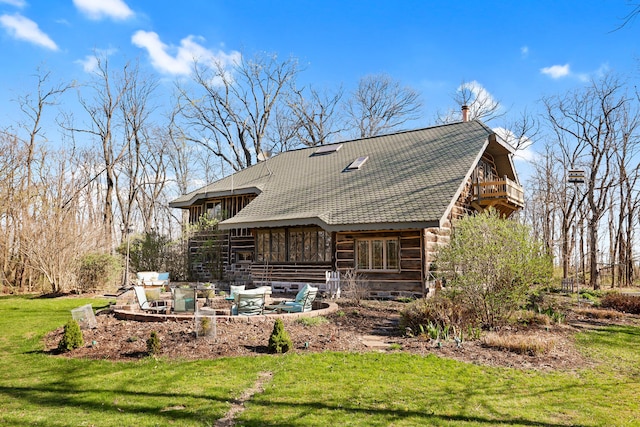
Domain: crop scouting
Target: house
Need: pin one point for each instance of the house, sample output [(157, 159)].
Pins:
[(381, 205)]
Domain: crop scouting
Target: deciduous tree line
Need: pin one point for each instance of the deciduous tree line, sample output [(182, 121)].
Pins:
[(114, 153), (590, 227)]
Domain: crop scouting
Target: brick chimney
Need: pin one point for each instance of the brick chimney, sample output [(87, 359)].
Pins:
[(465, 113)]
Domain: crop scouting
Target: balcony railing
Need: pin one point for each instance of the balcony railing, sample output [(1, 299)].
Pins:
[(502, 190)]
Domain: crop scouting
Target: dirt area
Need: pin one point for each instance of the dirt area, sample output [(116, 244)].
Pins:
[(372, 326)]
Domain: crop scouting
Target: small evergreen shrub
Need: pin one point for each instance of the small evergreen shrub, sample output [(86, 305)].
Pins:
[(279, 341), (72, 337), (153, 344), (621, 302)]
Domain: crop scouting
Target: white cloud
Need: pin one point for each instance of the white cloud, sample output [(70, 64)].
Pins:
[(556, 71), (98, 9), (23, 28), (524, 51), (16, 3), (181, 62), (90, 62), (481, 104), (526, 155)]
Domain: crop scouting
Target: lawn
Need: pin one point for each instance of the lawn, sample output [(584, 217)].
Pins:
[(372, 389)]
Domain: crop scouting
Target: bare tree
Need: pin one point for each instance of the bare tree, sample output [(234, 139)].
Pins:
[(136, 107), (522, 131), (314, 117), (482, 105), (102, 110), (630, 17), (230, 110), (593, 119), (26, 157), (33, 107), (380, 104), (151, 197), (52, 243)]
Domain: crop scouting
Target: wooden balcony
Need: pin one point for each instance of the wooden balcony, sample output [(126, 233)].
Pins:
[(503, 194)]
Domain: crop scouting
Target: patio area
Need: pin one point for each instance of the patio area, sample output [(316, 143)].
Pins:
[(185, 303)]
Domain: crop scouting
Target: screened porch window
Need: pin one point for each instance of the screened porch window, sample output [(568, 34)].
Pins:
[(293, 245), (377, 254)]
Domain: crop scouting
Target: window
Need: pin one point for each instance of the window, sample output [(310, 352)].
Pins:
[(377, 254), (214, 210), (293, 245), (357, 163), (327, 149)]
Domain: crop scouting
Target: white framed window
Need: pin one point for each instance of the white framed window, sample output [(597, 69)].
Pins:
[(378, 254)]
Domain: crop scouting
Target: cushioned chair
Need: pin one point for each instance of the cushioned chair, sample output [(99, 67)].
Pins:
[(152, 278), (302, 303), (248, 304), (147, 305), (234, 289)]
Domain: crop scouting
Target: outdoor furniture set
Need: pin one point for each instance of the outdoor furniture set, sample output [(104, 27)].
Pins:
[(245, 302)]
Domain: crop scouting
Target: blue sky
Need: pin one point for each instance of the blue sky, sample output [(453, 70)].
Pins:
[(518, 51)]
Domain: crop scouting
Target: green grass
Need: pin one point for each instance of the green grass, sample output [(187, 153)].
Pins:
[(374, 389), (313, 321)]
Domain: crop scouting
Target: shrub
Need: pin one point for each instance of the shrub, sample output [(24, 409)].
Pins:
[(72, 337), (621, 302), (153, 344), (279, 341), (491, 264), (435, 316), (97, 271), (354, 286), (530, 317), (145, 251)]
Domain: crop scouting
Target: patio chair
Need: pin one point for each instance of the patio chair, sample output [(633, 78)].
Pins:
[(145, 305), (248, 304), (235, 289), (302, 303)]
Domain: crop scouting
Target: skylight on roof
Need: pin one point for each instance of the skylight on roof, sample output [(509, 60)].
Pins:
[(357, 163), (326, 149)]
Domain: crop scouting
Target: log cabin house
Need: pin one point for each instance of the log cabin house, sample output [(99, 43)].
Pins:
[(381, 205)]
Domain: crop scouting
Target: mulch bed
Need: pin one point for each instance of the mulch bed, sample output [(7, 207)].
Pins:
[(351, 329)]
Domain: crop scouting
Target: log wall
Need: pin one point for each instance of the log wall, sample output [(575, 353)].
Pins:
[(408, 280)]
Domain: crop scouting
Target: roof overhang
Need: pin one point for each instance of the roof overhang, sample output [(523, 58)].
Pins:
[(455, 198), (498, 146), (503, 155), (205, 195), (300, 222)]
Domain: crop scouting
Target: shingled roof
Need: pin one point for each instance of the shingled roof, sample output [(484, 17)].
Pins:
[(410, 180)]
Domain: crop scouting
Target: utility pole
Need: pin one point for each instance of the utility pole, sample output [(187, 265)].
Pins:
[(576, 177), (125, 280)]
